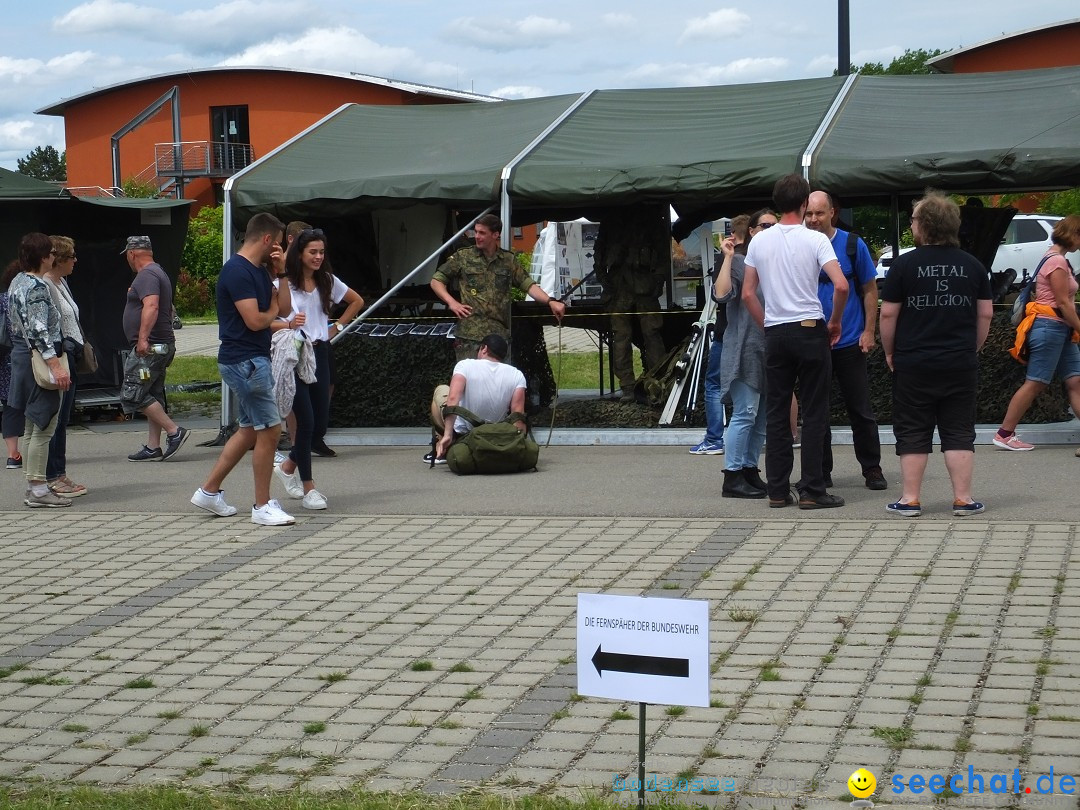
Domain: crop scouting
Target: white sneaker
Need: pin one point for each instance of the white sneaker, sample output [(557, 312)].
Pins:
[(291, 481), (213, 503), (271, 514), (279, 457), (314, 500)]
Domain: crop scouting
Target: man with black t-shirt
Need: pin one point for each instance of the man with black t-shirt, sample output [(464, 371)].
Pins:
[(935, 316)]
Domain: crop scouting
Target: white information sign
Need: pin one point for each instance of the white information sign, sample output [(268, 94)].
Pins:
[(643, 649)]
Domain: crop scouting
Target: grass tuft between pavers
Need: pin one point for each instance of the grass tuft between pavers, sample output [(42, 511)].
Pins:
[(48, 797)]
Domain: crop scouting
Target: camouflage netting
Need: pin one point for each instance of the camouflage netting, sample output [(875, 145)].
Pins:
[(387, 382)]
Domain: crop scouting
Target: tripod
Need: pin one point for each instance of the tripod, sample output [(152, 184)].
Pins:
[(690, 369)]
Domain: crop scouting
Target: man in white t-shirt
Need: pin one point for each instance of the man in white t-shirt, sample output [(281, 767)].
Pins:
[(785, 261), (487, 386)]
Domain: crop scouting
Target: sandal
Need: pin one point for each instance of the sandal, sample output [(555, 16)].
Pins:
[(67, 488)]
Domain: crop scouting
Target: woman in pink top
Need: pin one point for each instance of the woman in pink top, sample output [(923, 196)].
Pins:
[(1051, 345)]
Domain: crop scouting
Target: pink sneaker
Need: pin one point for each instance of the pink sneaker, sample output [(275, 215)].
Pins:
[(1012, 443)]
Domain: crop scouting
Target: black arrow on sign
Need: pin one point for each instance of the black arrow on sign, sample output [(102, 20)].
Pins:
[(640, 664)]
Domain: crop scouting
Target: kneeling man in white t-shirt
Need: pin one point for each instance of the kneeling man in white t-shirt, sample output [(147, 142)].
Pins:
[(487, 386)]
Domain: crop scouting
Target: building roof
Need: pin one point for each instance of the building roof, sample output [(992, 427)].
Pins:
[(944, 62), (405, 87)]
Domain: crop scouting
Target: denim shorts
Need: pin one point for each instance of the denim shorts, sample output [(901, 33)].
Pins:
[(1051, 351), (253, 385)]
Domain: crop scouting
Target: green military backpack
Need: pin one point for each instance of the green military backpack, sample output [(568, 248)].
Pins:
[(491, 448)]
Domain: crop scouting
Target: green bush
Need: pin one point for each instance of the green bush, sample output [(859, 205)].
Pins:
[(204, 245), (192, 296)]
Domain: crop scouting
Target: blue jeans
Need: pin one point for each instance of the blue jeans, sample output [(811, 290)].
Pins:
[(714, 406), (746, 430), (57, 462), (1052, 352), (253, 385)]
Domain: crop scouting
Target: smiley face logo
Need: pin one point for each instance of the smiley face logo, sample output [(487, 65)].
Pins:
[(862, 783)]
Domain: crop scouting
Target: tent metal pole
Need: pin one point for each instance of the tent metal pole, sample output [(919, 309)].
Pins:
[(826, 122), (508, 169), (389, 294)]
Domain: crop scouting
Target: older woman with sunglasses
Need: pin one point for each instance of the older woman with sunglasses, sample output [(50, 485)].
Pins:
[(314, 289), (72, 336), (35, 321)]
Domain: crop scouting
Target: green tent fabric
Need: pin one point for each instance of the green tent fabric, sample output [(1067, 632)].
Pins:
[(365, 157), (691, 147), (973, 133), (684, 145), (13, 184)]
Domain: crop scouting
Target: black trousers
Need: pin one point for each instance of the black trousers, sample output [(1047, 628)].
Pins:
[(849, 371), (795, 353)]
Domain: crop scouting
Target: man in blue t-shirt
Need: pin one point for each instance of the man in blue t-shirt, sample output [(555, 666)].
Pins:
[(247, 303), (857, 327)]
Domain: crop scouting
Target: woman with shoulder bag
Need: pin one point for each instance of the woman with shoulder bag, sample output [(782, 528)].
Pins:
[(12, 420), (1052, 338), (35, 322), (74, 342)]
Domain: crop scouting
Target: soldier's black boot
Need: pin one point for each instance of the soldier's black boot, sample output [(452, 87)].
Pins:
[(736, 486)]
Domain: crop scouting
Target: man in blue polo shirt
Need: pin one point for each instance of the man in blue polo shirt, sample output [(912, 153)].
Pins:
[(857, 327), (247, 303)]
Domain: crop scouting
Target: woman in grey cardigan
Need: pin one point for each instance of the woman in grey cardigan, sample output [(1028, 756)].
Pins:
[(742, 369), (35, 322)]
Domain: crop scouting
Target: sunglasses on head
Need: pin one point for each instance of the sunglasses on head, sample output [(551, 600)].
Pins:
[(315, 232)]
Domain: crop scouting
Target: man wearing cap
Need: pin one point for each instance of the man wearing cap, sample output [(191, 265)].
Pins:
[(148, 328), (486, 385)]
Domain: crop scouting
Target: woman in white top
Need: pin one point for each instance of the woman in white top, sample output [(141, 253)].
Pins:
[(72, 336), (315, 289)]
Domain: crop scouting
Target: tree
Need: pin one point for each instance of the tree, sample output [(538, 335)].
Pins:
[(910, 63), (133, 187), (44, 163)]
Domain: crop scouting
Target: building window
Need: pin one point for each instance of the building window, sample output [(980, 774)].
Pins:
[(518, 233)]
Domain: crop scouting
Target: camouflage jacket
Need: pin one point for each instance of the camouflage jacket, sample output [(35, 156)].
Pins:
[(484, 285)]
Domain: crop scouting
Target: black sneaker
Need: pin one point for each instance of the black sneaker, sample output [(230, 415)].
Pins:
[(825, 501), (174, 443), (875, 479), (14, 463), (319, 448), (146, 454), (430, 455)]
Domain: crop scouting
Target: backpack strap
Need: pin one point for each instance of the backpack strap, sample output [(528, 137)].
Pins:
[(516, 416), (464, 413), (852, 252)]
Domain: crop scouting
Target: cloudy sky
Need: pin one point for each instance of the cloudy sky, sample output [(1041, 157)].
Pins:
[(54, 50)]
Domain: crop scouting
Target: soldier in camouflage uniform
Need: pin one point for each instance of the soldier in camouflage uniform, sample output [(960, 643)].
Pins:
[(484, 275), (633, 261)]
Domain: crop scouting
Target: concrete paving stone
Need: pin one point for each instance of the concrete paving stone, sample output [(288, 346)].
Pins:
[(31, 753), (856, 756), (924, 761), (467, 774), (828, 719), (1056, 746), (272, 782), (1001, 710), (430, 754), (104, 775), (50, 771), (451, 736), (132, 757)]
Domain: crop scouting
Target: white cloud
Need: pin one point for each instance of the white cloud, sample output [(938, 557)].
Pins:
[(683, 74), (342, 49), (212, 30), (507, 35), (519, 91), (722, 23), (616, 20), (19, 136)]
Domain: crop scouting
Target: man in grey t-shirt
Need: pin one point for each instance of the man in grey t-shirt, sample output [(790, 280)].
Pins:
[(148, 328)]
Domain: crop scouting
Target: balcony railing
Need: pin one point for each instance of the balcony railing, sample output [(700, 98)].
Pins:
[(201, 158)]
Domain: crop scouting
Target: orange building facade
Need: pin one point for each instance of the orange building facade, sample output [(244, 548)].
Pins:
[(1049, 46), (228, 117)]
